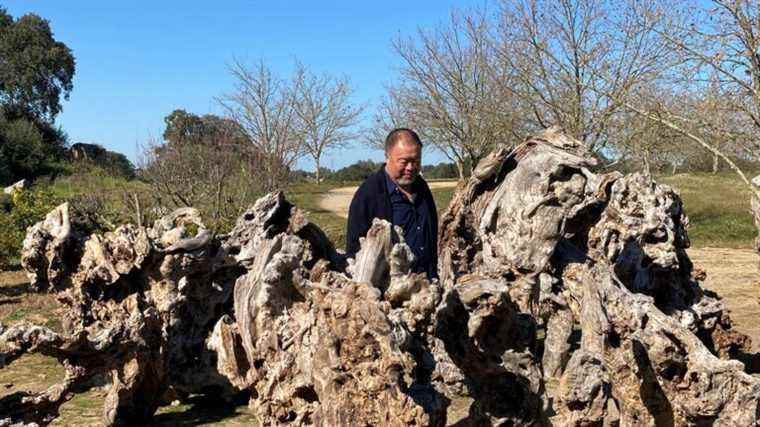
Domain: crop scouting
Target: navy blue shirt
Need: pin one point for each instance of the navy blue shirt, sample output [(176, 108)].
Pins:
[(412, 217)]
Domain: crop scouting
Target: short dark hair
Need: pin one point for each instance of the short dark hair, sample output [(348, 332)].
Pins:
[(398, 134)]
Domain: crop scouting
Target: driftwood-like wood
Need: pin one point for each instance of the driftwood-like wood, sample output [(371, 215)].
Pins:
[(139, 305), (603, 254), (319, 346), (566, 297)]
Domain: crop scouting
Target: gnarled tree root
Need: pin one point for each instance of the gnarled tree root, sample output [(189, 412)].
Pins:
[(566, 297)]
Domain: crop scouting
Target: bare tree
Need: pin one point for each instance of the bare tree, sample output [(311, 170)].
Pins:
[(574, 62), (717, 48), (324, 113), (211, 169), (262, 106), (446, 91)]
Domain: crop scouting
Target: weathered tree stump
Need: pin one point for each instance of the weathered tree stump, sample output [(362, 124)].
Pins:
[(604, 254), (316, 345), (140, 304), (566, 297)]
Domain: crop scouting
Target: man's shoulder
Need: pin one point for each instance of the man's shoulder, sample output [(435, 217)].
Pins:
[(373, 181), (421, 184)]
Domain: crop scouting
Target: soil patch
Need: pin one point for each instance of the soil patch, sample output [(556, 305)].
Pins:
[(734, 274)]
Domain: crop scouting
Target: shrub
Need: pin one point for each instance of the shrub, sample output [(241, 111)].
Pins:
[(358, 171), (26, 209), (441, 171)]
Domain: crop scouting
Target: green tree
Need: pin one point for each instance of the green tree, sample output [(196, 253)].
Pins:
[(22, 150), (188, 128), (204, 162), (93, 155), (36, 70), (358, 171)]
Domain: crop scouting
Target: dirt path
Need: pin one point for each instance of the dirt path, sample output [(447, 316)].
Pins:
[(338, 199)]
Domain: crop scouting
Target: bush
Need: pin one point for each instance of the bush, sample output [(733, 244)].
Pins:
[(441, 171), (358, 171), (86, 156), (26, 209), (28, 149), (221, 182)]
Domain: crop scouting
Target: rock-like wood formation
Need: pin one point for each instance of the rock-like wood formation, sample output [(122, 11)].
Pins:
[(315, 345), (139, 305), (572, 250), (565, 297)]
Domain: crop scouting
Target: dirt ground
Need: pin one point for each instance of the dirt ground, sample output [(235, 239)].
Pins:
[(735, 275)]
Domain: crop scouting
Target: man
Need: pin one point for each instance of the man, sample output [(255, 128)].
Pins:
[(398, 194)]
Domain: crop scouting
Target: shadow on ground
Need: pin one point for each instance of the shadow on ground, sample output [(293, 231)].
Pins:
[(200, 410)]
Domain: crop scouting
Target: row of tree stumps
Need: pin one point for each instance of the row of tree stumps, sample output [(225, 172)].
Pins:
[(566, 297)]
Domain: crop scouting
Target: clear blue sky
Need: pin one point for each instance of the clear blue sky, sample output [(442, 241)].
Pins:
[(137, 61)]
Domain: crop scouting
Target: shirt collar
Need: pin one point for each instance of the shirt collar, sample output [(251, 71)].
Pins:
[(389, 182), (392, 186)]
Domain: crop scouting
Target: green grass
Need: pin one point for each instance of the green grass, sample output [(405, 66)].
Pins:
[(717, 207), (307, 196), (442, 197)]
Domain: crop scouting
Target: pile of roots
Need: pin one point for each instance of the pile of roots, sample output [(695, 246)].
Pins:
[(565, 297)]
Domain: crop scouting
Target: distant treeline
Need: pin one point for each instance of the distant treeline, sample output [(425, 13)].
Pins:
[(447, 170), (363, 168)]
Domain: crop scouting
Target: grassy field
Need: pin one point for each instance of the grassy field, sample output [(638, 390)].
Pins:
[(717, 207), (307, 195)]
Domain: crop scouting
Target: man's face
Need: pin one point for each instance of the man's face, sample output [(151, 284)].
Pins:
[(403, 162)]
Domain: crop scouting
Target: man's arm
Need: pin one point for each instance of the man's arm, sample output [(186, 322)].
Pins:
[(358, 222)]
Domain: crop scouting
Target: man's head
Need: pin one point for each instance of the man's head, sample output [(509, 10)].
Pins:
[(403, 156)]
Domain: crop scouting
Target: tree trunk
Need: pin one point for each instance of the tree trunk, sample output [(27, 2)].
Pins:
[(460, 169), (317, 159), (755, 207), (647, 166), (716, 163)]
